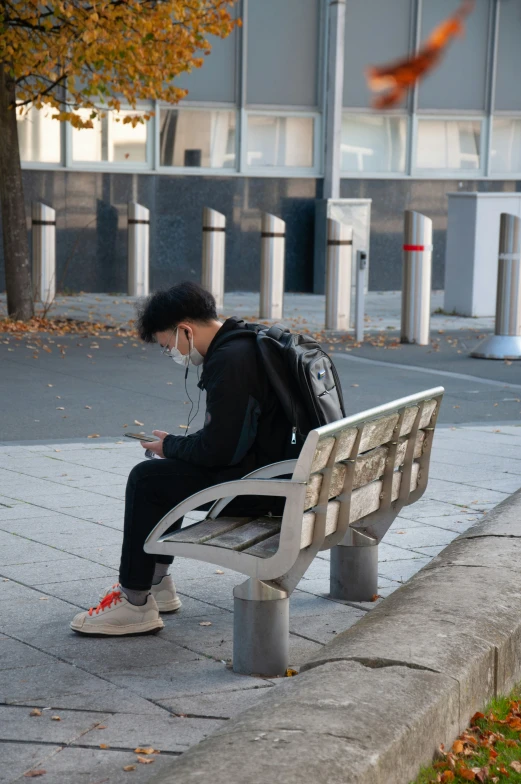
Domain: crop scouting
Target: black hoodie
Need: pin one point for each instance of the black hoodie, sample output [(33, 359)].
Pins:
[(244, 427)]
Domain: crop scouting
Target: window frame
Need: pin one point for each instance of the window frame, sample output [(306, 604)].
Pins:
[(450, 174), (195, 170), (346, 174), (314, 171)]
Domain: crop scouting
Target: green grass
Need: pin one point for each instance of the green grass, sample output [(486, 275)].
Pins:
[(486, 750)]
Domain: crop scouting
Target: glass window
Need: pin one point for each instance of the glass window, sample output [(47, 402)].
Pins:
[(197, 138), (377, 32), (280, 141), (39, 135), (282, 52), (448, 144), (373, 143), (505, 150), (109, 140), (458, 81), (508, 83)]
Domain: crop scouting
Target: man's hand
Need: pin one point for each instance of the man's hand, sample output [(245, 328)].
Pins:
[(155, 446)]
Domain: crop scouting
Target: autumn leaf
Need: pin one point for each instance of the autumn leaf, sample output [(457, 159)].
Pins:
[(31, 774), (35, 712), (457, 746), (219, 571), (129, 767), (145, 760), (290, 673), (395, 79), (515, 765), (104, 746), (205, 623), (466, 773), (375, 597), (93, 435), (136, 422), (447, 776), (146, 750), (55, 718)]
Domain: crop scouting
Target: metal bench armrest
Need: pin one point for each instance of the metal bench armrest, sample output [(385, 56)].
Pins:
[(276, 487), (266, 472)]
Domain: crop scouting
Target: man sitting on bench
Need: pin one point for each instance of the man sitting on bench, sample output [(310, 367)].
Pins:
[(244, 428)]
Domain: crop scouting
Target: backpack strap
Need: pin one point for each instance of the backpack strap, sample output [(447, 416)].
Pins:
[(276, 331)]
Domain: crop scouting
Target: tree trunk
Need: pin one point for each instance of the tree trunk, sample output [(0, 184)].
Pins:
[(16, 247)]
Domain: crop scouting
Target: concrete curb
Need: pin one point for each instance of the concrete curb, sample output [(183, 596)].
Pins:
[(374, 704)]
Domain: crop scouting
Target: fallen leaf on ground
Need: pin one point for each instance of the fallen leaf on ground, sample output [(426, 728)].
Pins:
[(290, 672), (145, 760), (138, 423), (205, 623), (101, 727), (129, 767), (375, 596), (219, 571), (35, 712), (447, 776), (146, 750), (185, 427), (104, 746), (88, 406), (93, 435), (55, 718), (457, 746), (516, 766), (31, 774), (60, 408)]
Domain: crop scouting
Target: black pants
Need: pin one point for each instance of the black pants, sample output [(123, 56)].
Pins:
[(154, 487)]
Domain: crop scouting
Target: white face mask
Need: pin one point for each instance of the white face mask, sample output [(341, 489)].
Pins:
[(193, 355)]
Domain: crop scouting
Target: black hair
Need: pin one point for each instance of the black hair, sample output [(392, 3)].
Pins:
[(164, 310)]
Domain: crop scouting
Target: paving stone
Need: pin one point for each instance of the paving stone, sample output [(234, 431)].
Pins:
[(323, 628), (16, 723), (213, 705), (419, 537), (17, 758), (15, 550), (165, 732), (401, 571), (94, 766), (186, 678), (15, 655), (64, 570), (452, 492)]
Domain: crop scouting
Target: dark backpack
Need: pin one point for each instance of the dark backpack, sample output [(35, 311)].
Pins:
[(301, 374)]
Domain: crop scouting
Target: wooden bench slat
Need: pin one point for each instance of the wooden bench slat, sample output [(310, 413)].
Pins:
[(201, 532), (248, 534), (369, 466), (364, 501), (266, 548), (376, 433)]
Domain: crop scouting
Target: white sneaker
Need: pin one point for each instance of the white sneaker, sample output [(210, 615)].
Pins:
[(114, 615), (164, 593)]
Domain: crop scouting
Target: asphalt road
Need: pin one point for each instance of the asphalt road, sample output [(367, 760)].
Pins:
[(60, 387)]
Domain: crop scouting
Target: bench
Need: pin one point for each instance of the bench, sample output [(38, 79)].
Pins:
[(349, 483)]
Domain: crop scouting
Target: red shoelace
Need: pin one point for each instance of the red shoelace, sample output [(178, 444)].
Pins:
[(113, 596)]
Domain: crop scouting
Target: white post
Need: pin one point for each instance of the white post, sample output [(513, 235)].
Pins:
[(334, 93), (505, 343), (273, 236), (417, 276), (338, 274), (44, 252), (214, 236), (361, 265), (138, 249)]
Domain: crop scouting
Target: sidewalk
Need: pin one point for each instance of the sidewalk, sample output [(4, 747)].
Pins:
[(300, 310), (60, 530)]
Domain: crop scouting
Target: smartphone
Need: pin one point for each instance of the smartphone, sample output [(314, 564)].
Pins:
[(139, 437)]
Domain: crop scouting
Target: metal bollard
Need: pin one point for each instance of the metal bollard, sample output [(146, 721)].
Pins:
[(506, 341), (44, 252), (273, 237), (338, 274), (361, 266), (214, 235), (417, 275), (138, 249)]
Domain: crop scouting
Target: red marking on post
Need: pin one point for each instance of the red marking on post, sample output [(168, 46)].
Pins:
[(414, 247)]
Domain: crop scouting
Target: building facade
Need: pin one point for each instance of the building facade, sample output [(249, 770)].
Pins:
[(250, 135)]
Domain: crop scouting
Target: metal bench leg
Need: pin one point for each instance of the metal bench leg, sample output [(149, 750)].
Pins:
[(354, 572), (260, 629)]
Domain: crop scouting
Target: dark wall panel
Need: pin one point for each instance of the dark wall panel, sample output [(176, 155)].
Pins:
[(92, 219)]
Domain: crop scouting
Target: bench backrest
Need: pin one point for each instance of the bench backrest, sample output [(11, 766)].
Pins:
[(363, 469)]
